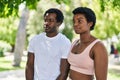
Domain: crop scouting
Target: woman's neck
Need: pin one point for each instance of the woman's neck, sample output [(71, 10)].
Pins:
[(86, 38)]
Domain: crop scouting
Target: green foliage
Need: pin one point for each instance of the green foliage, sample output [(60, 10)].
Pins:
[(8, 29), (63, 1), (11, 7), (8, 7), (107, 20), (35, 24), (31, 4), (4, 47), (118, 46), (115, 4), (68, 29), (1, 52), (102, 5), (68, 32)]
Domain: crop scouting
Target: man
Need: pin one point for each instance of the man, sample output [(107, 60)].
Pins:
[(48, 51)]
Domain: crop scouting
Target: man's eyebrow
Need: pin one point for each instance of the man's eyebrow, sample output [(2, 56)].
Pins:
[(80, 18)]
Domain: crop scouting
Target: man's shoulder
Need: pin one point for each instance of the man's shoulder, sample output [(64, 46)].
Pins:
[(38, 37), (63, 38)]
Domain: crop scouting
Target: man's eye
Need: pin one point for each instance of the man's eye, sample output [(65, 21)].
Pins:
[(51, 20)]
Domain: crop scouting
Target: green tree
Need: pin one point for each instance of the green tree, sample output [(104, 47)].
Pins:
[(11, 7), (8, 28), (108, 23)]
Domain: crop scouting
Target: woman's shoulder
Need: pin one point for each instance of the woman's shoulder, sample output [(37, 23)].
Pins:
[(99, 48)]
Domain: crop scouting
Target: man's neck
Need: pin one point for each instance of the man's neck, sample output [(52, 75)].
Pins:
[(51, 34)]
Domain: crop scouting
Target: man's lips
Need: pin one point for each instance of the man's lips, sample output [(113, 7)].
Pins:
[(46, 27)]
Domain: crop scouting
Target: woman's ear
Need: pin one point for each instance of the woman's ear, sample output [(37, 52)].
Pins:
[(90, 24)]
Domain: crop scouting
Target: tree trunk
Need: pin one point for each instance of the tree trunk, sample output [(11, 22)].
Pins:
[(12, 50), (20, 38)]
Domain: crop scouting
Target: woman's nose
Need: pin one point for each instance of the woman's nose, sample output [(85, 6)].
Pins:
[(75, 24)]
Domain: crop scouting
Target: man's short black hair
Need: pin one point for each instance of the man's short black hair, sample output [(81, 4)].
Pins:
[(88, 13), (59, 14)]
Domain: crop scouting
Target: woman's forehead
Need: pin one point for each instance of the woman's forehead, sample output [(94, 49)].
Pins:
[(79, 16)]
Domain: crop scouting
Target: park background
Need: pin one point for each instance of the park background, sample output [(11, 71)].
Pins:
[(22, 19)]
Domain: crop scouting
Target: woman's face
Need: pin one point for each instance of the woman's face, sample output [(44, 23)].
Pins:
[(80, 24)]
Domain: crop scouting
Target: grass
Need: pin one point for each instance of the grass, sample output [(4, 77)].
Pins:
[(113, 74), (6, 64)]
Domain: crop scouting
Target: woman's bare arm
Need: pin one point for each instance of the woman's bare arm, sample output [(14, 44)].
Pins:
[(100, 61)]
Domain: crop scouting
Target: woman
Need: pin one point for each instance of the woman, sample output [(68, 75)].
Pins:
[(88, 55)]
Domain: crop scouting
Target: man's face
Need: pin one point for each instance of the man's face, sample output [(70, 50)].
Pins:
[(50, 23)]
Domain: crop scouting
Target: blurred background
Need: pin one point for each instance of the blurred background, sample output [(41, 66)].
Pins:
[(20, 20)]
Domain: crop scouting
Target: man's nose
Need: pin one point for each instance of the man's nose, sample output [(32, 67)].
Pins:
[(45, 23)]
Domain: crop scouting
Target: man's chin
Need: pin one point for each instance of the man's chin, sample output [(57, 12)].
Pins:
[(47, 31)]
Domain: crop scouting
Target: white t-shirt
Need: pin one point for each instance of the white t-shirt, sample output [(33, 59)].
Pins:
[(48, 53)]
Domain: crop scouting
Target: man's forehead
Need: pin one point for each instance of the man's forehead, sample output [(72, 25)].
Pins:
[(47, 14), (50, 15)]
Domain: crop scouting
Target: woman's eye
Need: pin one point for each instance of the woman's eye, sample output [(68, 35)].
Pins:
[(51, 20), (79, 21)]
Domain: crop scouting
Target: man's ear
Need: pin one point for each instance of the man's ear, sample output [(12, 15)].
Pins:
[(58, 24)]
